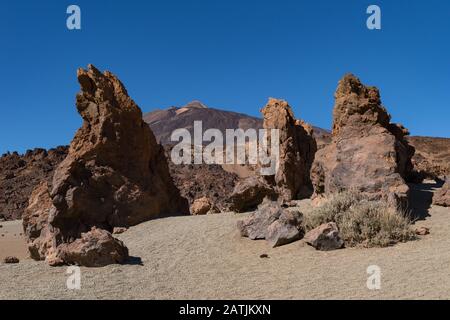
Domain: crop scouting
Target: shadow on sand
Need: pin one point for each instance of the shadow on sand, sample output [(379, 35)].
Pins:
[(134, 261), (420, 199)]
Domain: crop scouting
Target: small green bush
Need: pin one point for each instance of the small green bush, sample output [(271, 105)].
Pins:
[(362, 221)]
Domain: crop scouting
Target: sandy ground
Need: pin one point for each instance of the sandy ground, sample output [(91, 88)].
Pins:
[(12, 242), (203, 257)]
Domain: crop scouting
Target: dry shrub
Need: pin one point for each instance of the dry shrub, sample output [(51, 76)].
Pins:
[(362, 221)]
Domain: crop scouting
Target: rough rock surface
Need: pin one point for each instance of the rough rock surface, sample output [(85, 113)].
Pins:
[(368, 153), (325, 237), (297, 150), (115, 174), (203, 206), (20, 174), (432, 157), (442, 196), (202, 180), (96, 248), (422, 231), (277, 225), (11, 260), (249, 193)]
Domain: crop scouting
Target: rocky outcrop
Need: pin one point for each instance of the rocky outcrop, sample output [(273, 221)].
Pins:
[(249, 193), (368, 153), (277, 225), (297, 147), (201, 180), (432, 157), (203, 206), (21, 173), (442, 196), (325, 237), (297, 150), (115, 175)]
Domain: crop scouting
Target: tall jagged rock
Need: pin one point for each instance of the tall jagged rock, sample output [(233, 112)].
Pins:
[(115, 174), (297, 147), (297, 150), (368, 153)]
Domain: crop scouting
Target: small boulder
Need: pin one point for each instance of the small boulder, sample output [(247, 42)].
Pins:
[(96, 248), (249, 193), (422, 231), (442, 196), (325, 237), (11, 260), (278, 226), (203, 206)]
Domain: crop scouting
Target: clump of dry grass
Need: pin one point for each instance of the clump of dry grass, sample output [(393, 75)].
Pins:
[(362, 221)]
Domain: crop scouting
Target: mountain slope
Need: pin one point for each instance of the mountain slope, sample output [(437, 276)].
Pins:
[(164, 122)]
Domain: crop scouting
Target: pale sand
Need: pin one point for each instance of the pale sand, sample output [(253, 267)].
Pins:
[(203, 257), (12, 242)]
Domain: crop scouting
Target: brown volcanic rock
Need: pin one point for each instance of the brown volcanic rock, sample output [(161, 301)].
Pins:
[(442, 196), (202, 180), (249, 193), (115, 174), (297, 149), (20, 174), (35, 223), (368, 153), (203, 206), (325, 237), (96, 248), (277, 225), (432, 157)]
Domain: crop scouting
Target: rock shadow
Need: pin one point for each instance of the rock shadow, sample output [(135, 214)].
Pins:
[(134, 261), (420, 199)]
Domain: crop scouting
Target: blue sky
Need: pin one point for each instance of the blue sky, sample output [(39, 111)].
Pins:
[(231, 54)]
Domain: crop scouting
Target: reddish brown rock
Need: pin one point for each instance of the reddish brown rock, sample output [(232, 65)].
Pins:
[(96, 248), (21, 173), (200, 180), (442, 196), (422, 231), (115, 175), (325, 237), (203, 206), (35, 223), (297, 149), (277, 225), (249, 193), (368, 153), (11, 260)]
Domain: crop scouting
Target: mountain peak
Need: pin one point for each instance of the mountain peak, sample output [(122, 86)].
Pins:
[(195, 104)]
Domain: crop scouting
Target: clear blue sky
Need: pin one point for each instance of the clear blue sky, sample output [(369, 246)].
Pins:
[(230, 54)]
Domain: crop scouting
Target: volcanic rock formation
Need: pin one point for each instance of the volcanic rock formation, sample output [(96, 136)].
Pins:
[(115, 175), (368, 153), (296, 154), (297, 149), (442, 196), (20, 174)]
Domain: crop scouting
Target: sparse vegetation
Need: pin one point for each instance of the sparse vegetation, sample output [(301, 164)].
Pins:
[(362, 221)]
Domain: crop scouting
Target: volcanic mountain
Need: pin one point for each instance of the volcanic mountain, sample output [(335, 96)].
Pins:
[(164, 122)]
